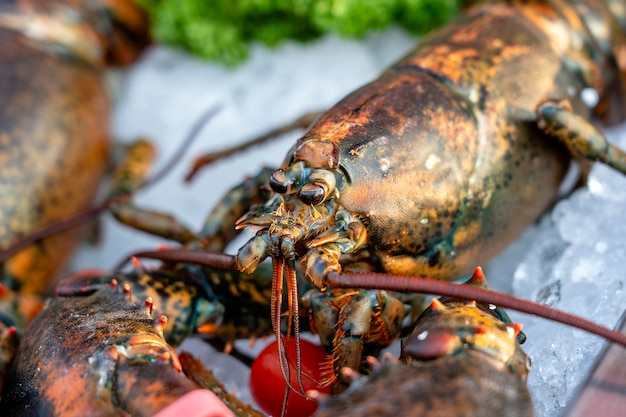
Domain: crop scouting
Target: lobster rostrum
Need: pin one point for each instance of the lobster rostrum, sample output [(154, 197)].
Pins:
[(54, 119), (455, 344), (442, 161)]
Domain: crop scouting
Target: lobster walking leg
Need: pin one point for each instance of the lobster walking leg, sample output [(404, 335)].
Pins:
[(129, 176), (195, 371), (353, 324), (582, 138), (217, 230)]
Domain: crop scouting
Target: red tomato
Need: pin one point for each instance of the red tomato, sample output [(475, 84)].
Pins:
[(268, 386)]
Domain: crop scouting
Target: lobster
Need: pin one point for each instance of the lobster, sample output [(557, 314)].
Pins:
[(461, 90), (70, 44)]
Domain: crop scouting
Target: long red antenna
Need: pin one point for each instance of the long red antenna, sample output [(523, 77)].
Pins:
[(438, 287), (410, 284)]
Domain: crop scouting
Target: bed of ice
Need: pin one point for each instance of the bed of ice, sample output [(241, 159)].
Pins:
[(572, 259)]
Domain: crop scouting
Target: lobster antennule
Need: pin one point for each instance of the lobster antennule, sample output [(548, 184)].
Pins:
[(278, 269), (275, 309), (275, 312), (443, 288), (191, 136)]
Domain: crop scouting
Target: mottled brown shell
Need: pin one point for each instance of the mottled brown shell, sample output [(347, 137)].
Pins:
[(467, 385), (443, 156), (53, 124)]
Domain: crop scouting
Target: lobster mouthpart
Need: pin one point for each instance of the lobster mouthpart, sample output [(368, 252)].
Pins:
[(304, 219)]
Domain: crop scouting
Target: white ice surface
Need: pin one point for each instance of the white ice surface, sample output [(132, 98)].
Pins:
[(573, 259)]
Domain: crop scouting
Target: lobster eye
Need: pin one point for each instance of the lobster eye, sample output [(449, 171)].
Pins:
[(312, 194), (320, 184), (279, 182)]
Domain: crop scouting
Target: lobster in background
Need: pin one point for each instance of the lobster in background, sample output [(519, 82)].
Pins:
[(54, 123), (55, 119)]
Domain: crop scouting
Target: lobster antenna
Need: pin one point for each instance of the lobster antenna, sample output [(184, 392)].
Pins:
[(400, 283), (187, 141), (275, 312), (91, 213), (211, 259), (438, 287), (302, 122), (55, 227)]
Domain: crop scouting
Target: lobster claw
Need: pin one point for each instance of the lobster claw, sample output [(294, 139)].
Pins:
[(140, 361), (109, 347)]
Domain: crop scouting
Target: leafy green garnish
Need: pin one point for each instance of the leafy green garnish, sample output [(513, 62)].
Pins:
[(221, 30)]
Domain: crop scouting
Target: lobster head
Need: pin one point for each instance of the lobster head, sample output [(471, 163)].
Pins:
[(304, 217)]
